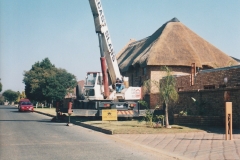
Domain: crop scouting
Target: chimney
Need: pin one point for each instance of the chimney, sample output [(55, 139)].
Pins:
[(193, 73)]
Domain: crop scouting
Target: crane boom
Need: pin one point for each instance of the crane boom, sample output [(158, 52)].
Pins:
[(95, 95), (104, 36)]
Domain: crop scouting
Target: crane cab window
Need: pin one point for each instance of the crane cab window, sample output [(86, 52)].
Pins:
[(99, 82), (91, 79)]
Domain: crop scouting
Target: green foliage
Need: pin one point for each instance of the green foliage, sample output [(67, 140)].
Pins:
[(168, 91), (149, 117), (0, 87), (166, 87), (160, 118), (21, 95), (45, 82), (2, 100), (143, 103), (146, 88), (10, 95)]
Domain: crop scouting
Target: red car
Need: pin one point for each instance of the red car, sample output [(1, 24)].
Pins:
[(25, 106)]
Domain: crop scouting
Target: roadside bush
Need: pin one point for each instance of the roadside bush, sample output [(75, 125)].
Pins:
[(1, 100), (151, 117)]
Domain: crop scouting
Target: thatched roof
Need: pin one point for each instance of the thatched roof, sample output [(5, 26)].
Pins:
[(238, 60), (173, 44)]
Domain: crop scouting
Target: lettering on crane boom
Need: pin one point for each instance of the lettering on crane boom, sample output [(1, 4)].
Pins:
[(106, 34), (100, 11), (110, 46)]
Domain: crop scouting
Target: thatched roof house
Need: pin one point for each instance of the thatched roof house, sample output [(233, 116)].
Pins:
[(173, 44)]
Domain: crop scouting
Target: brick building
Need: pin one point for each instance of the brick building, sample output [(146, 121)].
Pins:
[(173, 45), (176, 46)]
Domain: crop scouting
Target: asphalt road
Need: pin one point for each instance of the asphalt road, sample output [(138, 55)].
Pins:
[(25, 136)]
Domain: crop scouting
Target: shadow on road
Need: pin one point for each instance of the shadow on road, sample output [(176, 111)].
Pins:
[(5, 107), (21, 112), (17, 120)]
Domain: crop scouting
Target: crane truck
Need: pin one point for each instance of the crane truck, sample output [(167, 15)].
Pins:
[(99, 90)]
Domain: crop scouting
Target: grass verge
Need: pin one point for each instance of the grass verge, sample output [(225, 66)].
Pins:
[(123, 127), (136, 127)]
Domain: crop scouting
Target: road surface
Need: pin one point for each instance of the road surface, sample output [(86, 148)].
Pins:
[(25, 136)]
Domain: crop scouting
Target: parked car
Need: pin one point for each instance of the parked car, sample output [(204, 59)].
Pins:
[(22, 100), (26, 106)]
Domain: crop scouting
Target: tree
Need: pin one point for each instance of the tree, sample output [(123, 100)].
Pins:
[(1, 100), (10, 95), (45, 82), (167, 90), (0, 86), (21, 95), (59, 85)]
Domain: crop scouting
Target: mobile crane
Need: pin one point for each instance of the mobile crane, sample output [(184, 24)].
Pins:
[(99, 91)]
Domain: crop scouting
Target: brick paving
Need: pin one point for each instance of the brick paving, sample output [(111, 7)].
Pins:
[(209, 145), (199, 146)]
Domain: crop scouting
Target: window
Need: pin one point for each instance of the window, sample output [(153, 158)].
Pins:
[(144, 71), (237, 85), (222, 86), (132, 80), (99, 82), (209, 87), (140, 82), (26, 103), (137, 72), (91, 78)]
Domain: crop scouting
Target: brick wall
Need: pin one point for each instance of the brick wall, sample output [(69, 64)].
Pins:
[(199, 120), (156, 73), (209, 103), (211, 77), (137, 76), (205, 97), (196, 100)]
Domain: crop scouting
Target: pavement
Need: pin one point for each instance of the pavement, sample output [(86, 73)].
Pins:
[(210, 144)]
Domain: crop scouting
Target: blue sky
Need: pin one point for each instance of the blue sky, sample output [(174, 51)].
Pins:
[(63, 30)]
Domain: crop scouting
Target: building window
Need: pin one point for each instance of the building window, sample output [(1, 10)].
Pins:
[(137, 72), (140, 82), (222, 86), (209, 87), (144, 71), (132, 79), (237, 85)]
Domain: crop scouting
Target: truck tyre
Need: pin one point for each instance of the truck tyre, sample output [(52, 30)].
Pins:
[(79, 93)]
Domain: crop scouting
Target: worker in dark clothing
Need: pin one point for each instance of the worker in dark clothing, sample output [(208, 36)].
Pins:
[(119, 85)]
